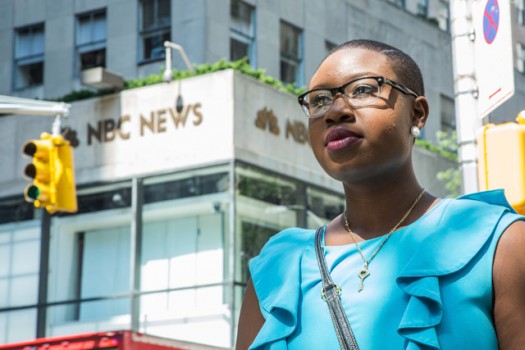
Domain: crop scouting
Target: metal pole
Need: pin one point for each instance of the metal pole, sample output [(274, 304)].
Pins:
[(135, 251), (466, 90), (45, 236), (232, 252)]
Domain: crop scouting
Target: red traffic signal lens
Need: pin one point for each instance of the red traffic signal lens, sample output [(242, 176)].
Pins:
[(29, 149)]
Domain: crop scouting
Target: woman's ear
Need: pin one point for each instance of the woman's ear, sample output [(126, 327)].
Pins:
[(421, 110)]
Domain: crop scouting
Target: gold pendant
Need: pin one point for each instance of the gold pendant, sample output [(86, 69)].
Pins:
[(362, 275)]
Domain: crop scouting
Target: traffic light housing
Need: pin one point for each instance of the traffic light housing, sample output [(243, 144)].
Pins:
[(52, 171), (501, 160)]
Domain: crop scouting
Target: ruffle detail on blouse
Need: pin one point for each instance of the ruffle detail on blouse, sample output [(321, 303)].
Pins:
[(474, 221), (279, 265)]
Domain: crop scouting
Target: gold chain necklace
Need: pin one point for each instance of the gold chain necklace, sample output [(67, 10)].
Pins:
[(364, 273)]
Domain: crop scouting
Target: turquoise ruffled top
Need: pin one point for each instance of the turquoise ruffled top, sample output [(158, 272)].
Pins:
[(430, 286)]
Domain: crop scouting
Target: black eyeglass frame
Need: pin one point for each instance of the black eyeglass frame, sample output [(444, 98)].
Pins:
[(341, 89)]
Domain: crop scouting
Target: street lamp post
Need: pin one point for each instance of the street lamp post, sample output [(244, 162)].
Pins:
[(168, 72)]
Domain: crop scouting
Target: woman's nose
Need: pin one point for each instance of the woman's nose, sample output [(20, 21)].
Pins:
[(339, 111)]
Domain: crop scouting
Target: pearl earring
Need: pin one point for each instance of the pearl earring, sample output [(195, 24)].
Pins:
[(415, 131)]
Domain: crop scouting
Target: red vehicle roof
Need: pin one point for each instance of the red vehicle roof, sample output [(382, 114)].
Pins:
[(117, 340)]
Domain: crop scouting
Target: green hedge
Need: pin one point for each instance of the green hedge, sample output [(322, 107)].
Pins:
[(241, 66)]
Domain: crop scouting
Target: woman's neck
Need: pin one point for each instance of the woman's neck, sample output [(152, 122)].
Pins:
[(375, 210)]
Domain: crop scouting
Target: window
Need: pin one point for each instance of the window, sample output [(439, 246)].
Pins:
[(422, 8), (14, 210), (104, 272), (254, 237), (29, 56), (520, 55), (155, 28), (448, 115), (520, 8), (398, 3), (291, 54), (444, 17), (91, 40), (19, 270), (242, 31), (198, 185)]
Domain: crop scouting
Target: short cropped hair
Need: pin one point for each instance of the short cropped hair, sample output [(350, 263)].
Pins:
[(406, 68)]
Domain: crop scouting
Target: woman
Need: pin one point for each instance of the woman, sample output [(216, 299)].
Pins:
[(415, 271)]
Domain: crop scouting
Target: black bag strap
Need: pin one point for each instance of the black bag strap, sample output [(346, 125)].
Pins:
[(330, 293)]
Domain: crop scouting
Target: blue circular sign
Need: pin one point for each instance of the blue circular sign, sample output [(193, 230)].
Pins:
[(491, 21)]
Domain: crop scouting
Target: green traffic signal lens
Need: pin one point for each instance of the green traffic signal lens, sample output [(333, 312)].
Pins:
[(33, 192)]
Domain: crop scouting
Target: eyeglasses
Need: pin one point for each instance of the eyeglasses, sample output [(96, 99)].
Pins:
[(359, 92)]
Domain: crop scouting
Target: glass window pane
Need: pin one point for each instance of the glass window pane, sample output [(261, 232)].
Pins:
[(99, 27), (155, 260), (105, 266), (290, 41), (23, 46), (15, 211), (148, 14), (238, 49), (253, 237), (163, 12), (38, 41), (5, 260), (288, 72), (209, 267), (291, 55), (119, 198), (520, 8), (23, 290), (84, 30), (91, 37), (448, 120), (325, 205), (29, 75), (156, 22), (25, 258), (422, 8), (241, 17), (104, 310), (4, 293), (17, 326), (182, 252), (154, 45), (29, 56), (105, 272), (521, 57), (29, 41), (242, 31), (93, 59)]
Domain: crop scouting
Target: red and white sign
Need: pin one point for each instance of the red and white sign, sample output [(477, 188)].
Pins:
[(493, 53)]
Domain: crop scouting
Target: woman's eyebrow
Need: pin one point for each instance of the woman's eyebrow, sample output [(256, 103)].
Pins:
[(349, 78)]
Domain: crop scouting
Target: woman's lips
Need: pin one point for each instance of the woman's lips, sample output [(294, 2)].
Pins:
[(340, 138)]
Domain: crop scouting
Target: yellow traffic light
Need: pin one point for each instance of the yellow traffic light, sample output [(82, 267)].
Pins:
[(52, 171), (501, 160)]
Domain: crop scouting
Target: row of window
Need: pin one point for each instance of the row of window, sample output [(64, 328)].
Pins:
[(155, 28), (90, 41)]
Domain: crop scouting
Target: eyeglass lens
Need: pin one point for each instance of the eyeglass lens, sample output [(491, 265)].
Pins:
[(362, 92)]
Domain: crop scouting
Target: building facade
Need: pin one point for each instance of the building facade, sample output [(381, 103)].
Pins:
[(174, 202)]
